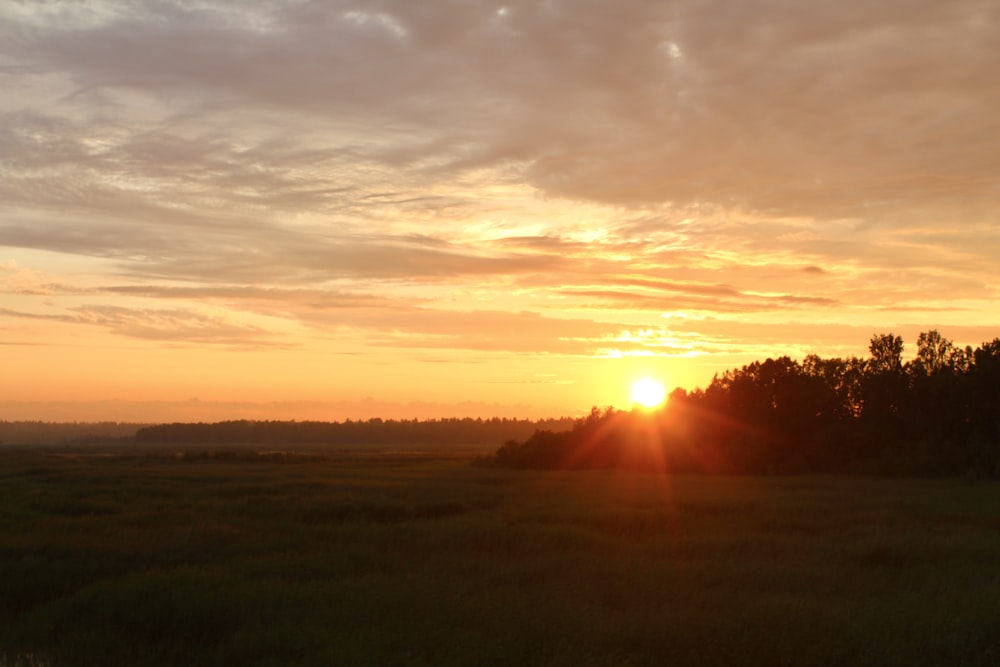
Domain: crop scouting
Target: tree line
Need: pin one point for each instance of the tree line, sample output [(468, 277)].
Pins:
[(383, 432), (937, 414), (39, 432)]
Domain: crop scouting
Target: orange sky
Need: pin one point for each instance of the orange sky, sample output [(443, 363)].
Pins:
[(322, 209)]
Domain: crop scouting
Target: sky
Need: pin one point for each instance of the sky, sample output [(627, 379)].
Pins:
[(346, 209)]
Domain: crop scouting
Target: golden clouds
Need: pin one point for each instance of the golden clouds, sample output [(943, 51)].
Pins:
[(529, 181)]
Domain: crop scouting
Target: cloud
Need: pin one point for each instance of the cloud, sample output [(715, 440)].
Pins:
[(679, 300), (827, 111), (378, 321), (171, 326), (174, 326), (318, 299), (261, 252), (16, 280)]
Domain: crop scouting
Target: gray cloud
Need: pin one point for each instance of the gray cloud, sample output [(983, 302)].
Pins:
[(173, 326), (845, 110), (267, 253)]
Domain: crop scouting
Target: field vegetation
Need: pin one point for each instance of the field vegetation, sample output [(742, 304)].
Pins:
[(224, 556)]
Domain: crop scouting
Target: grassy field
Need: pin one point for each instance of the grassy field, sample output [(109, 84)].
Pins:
[(409, 558)]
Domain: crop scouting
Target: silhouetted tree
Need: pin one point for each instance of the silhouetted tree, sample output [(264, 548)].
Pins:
[(887, 353), (938, 414)]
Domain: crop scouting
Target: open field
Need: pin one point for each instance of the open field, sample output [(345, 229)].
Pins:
[(415, 558)]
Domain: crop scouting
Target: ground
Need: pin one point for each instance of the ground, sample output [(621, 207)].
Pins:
[(215, 557)]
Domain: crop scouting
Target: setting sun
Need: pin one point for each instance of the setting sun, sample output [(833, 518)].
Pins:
[(648, 392)]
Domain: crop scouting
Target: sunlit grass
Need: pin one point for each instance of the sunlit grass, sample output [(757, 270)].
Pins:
[(416, 561)]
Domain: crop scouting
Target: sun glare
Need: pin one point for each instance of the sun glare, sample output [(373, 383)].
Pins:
[(648, 393)]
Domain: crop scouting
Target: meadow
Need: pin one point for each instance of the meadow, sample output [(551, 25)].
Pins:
[(134, 556)]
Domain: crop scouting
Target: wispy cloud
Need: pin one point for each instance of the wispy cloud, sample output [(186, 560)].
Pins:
[(170, 326)]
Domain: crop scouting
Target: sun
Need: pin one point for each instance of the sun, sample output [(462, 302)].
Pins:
[(648, 392)]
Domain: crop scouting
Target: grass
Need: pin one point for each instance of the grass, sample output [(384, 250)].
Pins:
[(139, 558)]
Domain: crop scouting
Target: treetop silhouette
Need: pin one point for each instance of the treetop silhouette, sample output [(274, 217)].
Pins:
[(938, 414)]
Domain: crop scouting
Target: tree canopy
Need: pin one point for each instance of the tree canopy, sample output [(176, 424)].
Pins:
[(938, 414), (376, 431)]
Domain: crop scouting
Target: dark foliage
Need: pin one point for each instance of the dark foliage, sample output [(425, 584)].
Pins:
[(39, 432), (389, 432), (938, 414)]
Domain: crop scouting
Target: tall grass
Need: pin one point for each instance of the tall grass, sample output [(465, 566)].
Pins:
[(156, 560)]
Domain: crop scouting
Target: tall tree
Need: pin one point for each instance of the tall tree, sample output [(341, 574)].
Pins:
[(887, 353), (935, 353)]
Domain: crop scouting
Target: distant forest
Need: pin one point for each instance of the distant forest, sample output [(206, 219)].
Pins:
[(465, 431), (383, 432), (39, 432), (938, 414)]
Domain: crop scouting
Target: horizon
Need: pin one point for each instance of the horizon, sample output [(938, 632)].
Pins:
[(435, 209), (196, 410), (367, 408)]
